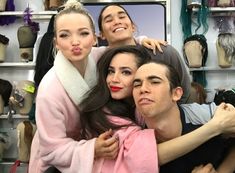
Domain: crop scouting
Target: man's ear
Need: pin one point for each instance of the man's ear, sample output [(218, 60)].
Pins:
[(102, 36), (134, 28), (177, 93)]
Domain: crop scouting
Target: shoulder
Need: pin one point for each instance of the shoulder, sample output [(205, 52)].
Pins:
[(50, 85), (198, 113), (96, 52)]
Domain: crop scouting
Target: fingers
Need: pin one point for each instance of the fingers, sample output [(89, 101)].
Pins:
[(106, 145), (106, 134), (111, 151), (204, 169), (154, 44)]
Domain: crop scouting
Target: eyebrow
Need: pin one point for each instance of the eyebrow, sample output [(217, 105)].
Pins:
[(151, 77), (122, 68), (110, 15), (79, 29)]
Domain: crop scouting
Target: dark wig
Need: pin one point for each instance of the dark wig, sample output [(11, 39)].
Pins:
[(5, 90), (98, 103), (45, 57)]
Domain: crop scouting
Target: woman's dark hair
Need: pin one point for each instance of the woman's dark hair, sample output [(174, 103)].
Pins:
[(98, 103), (100, 19)]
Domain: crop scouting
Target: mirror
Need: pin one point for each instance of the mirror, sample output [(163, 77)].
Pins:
[(149, 17)]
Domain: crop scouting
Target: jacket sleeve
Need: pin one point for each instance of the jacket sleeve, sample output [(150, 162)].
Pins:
[(58, 144), (137, 151)]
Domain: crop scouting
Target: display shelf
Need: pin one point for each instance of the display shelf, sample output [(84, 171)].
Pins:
[(212, 69), (14, 116), (11, 161), (18, 65), (222, 9), (218, 9), (35, 15)]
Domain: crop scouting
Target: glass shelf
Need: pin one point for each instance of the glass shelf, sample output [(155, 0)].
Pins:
[(35, 15), (14, 116), (218, 9), (27, 65), (212, 69)]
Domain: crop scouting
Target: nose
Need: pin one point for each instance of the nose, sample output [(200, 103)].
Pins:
[(115, 77), (75, 40), (144, 88), (116, 20)]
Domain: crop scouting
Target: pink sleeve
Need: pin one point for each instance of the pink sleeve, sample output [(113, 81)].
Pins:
[(55, 142), (57, 149), (137, 152)]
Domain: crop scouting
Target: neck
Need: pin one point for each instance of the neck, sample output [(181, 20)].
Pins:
[(122, 42), (167, 124), (81, 66)]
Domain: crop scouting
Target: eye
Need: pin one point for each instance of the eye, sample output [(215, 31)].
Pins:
[(154, 82), (63, 35), (85, 33), (107, 20), (110, 71), (136, 84), (122, 16), (126, 72)]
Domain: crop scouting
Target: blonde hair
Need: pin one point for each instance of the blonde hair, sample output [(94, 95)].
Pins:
[(73, 6)]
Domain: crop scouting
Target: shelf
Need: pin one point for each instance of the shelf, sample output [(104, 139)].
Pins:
[(28, 65), (218, 9), (212, 69), (222, 9), (11, 161), (14, 116), (35, 15)]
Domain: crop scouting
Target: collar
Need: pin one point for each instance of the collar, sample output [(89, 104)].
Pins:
[(74, 84)]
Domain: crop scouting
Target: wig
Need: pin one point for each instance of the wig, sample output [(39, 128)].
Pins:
[(199, 76), (45, 56), (5, 90), (227, 96), (202, 40), (227, 42), (6, 20), (186, 18)]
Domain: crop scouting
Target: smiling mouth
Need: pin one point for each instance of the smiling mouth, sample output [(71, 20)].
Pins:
[(119, 29)]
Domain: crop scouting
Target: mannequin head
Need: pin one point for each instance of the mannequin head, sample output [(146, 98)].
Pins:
[(225, 3), (5, 142), (225, 46), (22, 97), (26, 131), (195, 51), (194, 3)]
